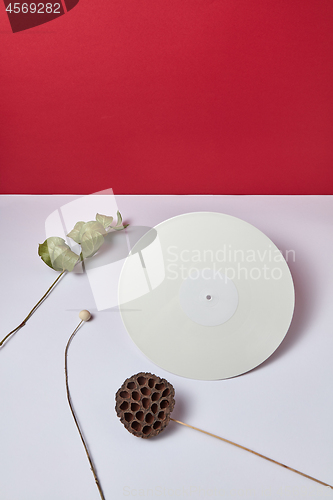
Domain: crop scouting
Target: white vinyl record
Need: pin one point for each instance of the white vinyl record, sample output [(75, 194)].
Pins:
[(206, 295)]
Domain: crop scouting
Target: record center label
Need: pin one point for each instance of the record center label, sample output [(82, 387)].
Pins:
[(208, 299)]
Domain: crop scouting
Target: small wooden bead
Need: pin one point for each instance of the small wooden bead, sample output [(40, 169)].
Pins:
[(85, 315)]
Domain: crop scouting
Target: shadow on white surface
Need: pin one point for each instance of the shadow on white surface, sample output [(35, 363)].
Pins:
[(307, 297)]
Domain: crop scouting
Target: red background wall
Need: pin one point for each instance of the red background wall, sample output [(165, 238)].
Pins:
[(170, 96)]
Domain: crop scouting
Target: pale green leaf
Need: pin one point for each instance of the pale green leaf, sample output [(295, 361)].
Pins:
[(45, 250), (119, 225), (71, 258), (75, 232), (57, 254), (119, 219), (104, 220), (63, 259), (90, 243), (92, 227), (91, 237)]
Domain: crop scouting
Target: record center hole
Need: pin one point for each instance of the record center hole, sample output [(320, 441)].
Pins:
[(208, 297)]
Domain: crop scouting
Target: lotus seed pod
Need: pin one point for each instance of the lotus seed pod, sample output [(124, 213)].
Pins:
[(144, 404), (84, 315)]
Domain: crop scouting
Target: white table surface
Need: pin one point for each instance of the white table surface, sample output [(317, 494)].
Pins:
[(282, 409)]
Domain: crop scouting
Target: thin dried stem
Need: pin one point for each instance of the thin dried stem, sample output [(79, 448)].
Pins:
[(32, 310), (254, 452), (75, 418)]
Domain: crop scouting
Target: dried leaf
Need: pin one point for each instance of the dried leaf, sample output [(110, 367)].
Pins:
[(57, 254), (75, 232), (91, 237), (104, 220)]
